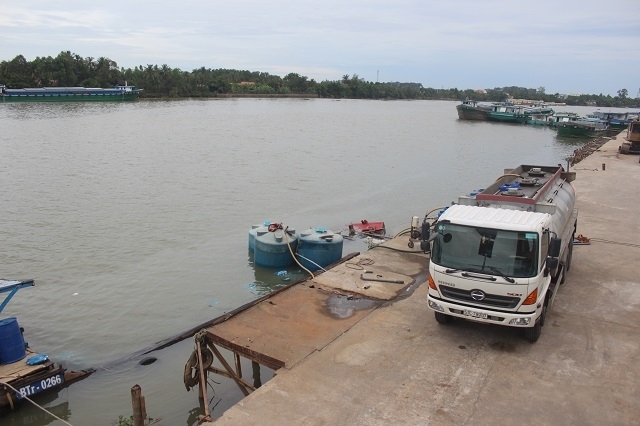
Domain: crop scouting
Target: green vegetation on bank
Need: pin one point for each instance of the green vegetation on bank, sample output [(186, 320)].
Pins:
[(69, 69)]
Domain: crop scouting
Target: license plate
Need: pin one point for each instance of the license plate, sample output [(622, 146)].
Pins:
[(474, 314), (41, 385)]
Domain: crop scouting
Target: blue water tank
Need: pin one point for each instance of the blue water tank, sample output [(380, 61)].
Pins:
[(12, 346), (318, 248), (271, 248), (252, 234)]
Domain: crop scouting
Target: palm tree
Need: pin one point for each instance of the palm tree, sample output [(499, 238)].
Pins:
[(151, 78)]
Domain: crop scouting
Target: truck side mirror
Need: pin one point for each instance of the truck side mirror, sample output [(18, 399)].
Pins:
[(554, 247)]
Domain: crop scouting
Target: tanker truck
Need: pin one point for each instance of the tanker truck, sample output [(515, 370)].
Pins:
[(499, 255)]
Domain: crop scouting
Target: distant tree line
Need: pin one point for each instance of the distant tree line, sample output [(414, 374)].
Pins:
[(69, 70)]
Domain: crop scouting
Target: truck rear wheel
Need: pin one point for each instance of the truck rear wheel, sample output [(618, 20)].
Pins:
[(570, 255), (443, 318), (567, 262)]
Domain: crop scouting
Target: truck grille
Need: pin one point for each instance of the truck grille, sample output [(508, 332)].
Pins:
[(493, 300)]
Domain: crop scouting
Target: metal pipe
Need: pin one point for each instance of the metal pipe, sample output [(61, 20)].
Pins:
[(384, 280)]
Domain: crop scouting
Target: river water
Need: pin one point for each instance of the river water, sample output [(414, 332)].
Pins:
[(133, 218)]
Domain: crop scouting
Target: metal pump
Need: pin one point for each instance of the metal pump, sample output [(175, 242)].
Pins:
[(426, 233), (420, 232), (414, 233)]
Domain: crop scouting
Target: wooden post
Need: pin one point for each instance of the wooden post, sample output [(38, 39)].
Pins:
[(257, 381), (143, 407), (139, 406), (203, 383), (238, 364)]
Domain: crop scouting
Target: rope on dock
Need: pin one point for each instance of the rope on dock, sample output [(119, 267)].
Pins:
[(360, 265), (42, 408), (294, 256)]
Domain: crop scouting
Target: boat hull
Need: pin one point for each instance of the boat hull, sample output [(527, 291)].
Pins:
[(538, 122), (579, 130), (466, 112), (507, 117), (31, 381), (617, 125), (117, 93), (72, 98)]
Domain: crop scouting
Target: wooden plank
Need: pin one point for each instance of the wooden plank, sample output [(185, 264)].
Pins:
[(18, 369)]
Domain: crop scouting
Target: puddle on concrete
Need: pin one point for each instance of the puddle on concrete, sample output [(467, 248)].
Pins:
[(418, 280), (343, 307)]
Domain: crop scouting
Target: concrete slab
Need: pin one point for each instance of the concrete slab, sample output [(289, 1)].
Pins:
[(383, 273), (398, 366)]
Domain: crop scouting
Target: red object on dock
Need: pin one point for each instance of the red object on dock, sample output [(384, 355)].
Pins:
[(369, 227)]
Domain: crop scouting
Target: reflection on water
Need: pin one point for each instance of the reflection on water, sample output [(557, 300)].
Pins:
[(267, 280), (34, 416), (573, 141), (63, 110)]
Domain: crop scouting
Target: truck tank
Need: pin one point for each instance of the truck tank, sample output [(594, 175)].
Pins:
[(543, 189)]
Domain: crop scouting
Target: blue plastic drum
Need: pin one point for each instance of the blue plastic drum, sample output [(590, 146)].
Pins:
[(11, 341), (318, 248)]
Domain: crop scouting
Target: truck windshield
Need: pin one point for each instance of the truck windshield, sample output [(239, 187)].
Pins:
[(493, 251)]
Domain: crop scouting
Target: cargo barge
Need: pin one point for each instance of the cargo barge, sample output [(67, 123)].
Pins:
[(70, 94)]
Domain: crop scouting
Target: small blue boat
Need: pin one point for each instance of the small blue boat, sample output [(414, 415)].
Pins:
[(24, 378)]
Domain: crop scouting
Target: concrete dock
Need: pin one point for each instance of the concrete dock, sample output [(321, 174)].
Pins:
[(397, 365)]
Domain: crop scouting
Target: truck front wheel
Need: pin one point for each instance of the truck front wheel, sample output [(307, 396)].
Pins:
[(443, 318), (532, 334)]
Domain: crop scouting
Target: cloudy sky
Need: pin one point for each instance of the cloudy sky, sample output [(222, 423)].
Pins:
[(565, 46)]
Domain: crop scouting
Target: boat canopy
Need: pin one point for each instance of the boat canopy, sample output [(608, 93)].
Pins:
[(12, 286)]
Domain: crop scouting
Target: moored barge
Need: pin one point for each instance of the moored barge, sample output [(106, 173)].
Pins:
[(582, 128), (472, 110), (70, 94)]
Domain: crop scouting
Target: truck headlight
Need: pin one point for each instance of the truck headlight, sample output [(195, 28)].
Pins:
[(433, 305), (520, 321)]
